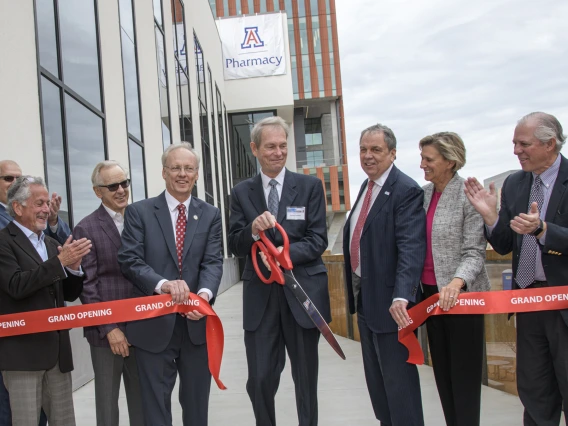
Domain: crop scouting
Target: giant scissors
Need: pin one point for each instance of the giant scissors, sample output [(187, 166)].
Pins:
[(287, 279)]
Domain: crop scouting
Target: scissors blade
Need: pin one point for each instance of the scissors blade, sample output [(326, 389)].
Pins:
[(312, 311)]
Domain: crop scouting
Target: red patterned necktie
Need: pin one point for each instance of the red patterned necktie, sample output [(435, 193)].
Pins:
[(359, 227), (181, 224)]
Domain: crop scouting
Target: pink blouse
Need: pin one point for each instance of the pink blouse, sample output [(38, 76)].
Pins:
[(428, 275)]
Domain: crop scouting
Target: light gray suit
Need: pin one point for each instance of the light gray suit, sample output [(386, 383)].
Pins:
[(456, 341)]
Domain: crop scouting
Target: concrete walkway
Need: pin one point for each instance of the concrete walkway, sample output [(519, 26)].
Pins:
[(343, 398)]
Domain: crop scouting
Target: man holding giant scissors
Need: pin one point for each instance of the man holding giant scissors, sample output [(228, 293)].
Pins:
[(274, 321)]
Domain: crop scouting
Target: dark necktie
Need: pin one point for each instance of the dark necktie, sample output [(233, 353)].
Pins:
[(529, 247), (181, 225), (273, 198), (355, 241)]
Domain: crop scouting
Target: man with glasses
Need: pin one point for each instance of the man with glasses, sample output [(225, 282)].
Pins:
[(57, 229), (172, 244), (111, 354)]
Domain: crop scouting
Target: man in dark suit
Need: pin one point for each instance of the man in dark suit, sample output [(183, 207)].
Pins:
[(172, 244), (533, 223), (111, 354), (384, 246), (273, 319), (36, 273), (57, 229)]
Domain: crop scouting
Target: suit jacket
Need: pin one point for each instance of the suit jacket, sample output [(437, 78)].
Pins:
[(458, 240), (61, 235), (148, 255), (27, 283), (515, 200), (308, 241), (392, 250), (103, 279)]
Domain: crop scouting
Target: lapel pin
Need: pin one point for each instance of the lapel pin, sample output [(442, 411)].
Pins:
[(195, 216), (387, 193)]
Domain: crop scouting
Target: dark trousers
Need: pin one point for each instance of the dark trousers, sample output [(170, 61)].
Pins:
[(158, 371), (456, 346), (542, 366), (109, 370), (265, 347), (393, 384), (6, 413)]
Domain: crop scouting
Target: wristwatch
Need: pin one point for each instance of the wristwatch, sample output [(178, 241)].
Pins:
[(539, 228)]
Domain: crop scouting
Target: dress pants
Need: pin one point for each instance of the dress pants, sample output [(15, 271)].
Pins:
[(542, 366), (266, 356), (109, 370), (30, 390), (393, 384), (456, 345), (6, 413), (158, 371)]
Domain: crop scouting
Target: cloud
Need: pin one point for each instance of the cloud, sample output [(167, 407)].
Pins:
[(473, 68)]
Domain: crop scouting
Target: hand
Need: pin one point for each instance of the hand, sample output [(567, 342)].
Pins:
[(265, 259), (484, 202), (263, 222), (178, 289), (73, 251), (399, 313), (526, 223), (195, 315), (450, 293), (118, 342), (54, 207)]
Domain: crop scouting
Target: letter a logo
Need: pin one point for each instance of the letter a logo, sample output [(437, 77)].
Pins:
[(252, 39)]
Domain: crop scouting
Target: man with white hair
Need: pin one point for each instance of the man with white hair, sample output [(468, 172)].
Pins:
[(111, 354), (37, 273), (533, 223)]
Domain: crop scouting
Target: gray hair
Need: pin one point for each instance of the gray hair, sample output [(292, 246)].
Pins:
[(96, 176), (19, 191), (275, 121), (449, 145), (388, 134), (181, 145), (548, 127)]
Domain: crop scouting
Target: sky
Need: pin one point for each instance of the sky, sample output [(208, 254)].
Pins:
[(474, 68)]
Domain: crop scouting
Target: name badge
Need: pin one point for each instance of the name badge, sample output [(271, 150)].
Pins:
[(295, 213)]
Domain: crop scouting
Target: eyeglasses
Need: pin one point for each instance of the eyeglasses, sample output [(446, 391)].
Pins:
[(9, 178), (113, 187), (177, 169)]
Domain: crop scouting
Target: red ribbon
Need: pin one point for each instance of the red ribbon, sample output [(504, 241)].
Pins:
[(489, 302), (124, 310)]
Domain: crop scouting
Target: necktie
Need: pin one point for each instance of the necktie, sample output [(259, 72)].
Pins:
[(529, 247), (181, 225), (359, 226), (273, 198)]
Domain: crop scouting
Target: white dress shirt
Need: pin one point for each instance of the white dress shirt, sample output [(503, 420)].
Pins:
[(174, 213), (117, 218)]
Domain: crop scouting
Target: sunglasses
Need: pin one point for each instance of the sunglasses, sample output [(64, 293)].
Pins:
[(9, 178), (113, 187)]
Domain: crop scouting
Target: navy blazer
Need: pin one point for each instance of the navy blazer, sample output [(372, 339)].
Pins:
[(308, 241), (61, 235), (104, 281), (515, 200), (148, 255), (393, 249)]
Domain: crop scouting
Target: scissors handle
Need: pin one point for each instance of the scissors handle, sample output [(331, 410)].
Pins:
[(273, 256)]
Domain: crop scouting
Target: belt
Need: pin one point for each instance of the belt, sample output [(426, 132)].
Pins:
[(538, 284)]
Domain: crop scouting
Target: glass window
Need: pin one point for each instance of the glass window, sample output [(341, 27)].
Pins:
[(85, 144), (314, 7), (46, 36), (301, 8), (214, 138), (137, 175), (79, 51), (163, 88), (317, 41), (291, 39), (225, 7), (262, 6), (53, 137), (312, 130), (314, 158), (289, 9), (304, 42), (306, 72), (158, 15)]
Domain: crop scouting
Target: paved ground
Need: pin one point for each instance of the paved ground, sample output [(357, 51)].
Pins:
[(343, 398)]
